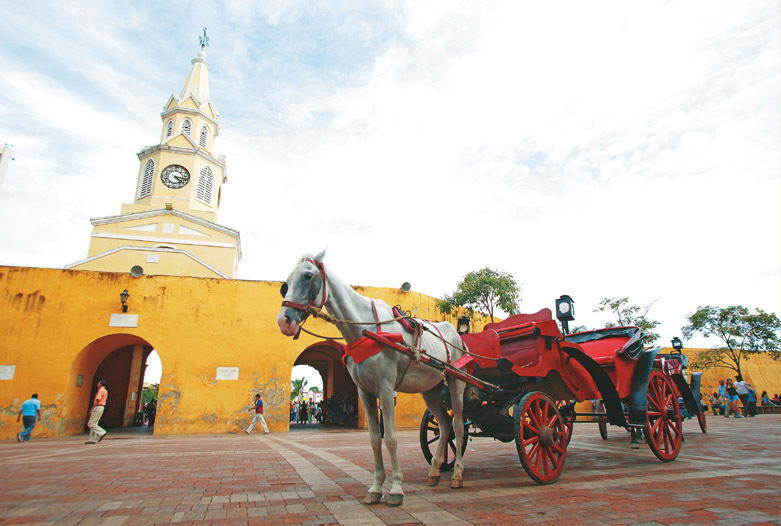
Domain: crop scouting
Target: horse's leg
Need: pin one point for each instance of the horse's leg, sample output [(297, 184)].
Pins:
[(369, 402), (434, 403), (396, 496), (457, 401)]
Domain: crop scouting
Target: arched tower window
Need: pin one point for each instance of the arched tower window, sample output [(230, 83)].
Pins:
[(187, 127), (169, 128), (203, 140), (205, 185), (147, 179)]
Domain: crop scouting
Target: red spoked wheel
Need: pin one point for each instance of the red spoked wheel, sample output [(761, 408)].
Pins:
[(701, 420), (664, 431), (540, 437), (429, 439), (566, 410)]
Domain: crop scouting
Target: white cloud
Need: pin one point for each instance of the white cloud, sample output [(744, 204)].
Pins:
[(610, 149)]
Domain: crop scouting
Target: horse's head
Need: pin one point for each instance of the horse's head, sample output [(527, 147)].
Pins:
[(304, 288)]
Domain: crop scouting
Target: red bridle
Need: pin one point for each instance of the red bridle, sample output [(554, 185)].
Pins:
[(301, 306)]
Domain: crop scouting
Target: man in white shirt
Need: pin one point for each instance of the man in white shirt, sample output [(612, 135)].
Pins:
[(742, 388)]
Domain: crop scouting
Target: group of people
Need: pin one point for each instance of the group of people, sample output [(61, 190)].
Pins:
[(148, 413), (30, 413), (725, 401), (335, 411)]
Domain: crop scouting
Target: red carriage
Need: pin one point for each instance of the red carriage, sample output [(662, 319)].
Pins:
[(524, 377)]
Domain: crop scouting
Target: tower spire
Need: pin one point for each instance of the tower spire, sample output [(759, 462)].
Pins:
[(197, 83)]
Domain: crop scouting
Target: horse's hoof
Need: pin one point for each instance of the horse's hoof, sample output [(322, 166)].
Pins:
[(372, 498), (433, 481), (394, 500), (456, 483)]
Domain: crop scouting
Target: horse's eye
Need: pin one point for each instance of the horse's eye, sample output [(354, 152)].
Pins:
[(283, 290)]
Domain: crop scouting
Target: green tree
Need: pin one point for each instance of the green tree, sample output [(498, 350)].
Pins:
[(297, 387), (630, 315), (741, 332), (149, 393), (484, 290)]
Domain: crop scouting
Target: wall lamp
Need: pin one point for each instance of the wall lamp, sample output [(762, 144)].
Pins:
[(463, 324), (123, 298), (677, 344)]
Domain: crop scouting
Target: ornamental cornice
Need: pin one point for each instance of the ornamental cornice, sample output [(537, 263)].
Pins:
[(107, 220), (148, 152)]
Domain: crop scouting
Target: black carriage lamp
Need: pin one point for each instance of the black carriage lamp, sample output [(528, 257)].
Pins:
[(565, 311), (463, 324), (123, 296), (677, 344)]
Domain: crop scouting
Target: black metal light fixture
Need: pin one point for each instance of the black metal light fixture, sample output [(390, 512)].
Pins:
[(677, 344), (463, 324), (123, 296), (565, 311)]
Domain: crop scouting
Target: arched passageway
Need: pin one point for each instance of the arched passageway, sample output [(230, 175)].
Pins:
[(119, 359), (340, 396)]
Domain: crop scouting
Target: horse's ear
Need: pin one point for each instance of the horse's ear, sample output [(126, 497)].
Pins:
[(314, 286), (320, 256)]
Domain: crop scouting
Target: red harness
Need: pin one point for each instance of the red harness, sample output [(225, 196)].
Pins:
[(301, 306)]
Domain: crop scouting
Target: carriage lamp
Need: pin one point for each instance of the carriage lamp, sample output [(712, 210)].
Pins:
[(677, 344), (463, 324), (565, 311), (123, 296)]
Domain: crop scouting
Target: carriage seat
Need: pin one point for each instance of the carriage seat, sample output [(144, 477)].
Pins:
[(603, 345), (484, 347)]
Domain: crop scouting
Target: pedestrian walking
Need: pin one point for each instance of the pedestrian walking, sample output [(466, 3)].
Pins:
[(28, 413), (742, 389), (97, 433), (258, 416)]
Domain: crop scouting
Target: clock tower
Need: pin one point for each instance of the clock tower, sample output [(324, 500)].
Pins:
[(170, 227)]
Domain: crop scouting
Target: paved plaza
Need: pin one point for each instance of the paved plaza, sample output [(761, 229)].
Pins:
[(732, 476)]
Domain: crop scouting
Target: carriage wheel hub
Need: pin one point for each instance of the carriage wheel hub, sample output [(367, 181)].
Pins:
[(548, 436)]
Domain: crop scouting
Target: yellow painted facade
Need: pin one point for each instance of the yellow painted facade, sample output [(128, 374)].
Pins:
[(56, 326)]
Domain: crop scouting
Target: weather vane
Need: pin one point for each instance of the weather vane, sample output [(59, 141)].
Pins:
[(204, 40)]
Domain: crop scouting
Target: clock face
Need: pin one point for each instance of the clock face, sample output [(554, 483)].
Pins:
[(175, 176)]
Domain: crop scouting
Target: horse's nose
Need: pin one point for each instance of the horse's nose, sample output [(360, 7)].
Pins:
[(287, 319)]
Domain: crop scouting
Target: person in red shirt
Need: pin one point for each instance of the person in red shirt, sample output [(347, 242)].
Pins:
[(258, 416), (96, 433)]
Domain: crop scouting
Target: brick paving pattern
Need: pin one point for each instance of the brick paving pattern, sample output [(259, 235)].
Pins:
[(732, 476)]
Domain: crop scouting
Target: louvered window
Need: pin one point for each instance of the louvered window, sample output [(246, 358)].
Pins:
[(204, 138), (187, 127), (147, 179), (169, 129), (205, 185)]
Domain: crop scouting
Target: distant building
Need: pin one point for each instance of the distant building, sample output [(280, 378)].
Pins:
[(5, 159)]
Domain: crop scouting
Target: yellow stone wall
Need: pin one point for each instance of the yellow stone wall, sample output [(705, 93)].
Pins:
[(54, 326)]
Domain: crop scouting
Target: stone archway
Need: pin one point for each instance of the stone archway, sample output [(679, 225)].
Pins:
[(326, 358), (119, 359)]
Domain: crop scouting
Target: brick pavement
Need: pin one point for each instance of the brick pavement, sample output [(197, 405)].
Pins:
[(319, 477)]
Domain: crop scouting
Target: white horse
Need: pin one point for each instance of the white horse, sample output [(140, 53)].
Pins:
[(311, 285)]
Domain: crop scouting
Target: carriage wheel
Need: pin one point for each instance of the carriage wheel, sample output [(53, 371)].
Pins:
[(664, 431), (567, 415), (429, 438), (601, 420), (540, 437), (701, 420)]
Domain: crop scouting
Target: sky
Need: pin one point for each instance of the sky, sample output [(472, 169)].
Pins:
[(595, 149)]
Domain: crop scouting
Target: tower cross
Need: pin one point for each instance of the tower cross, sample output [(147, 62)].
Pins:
[(204, 40)]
